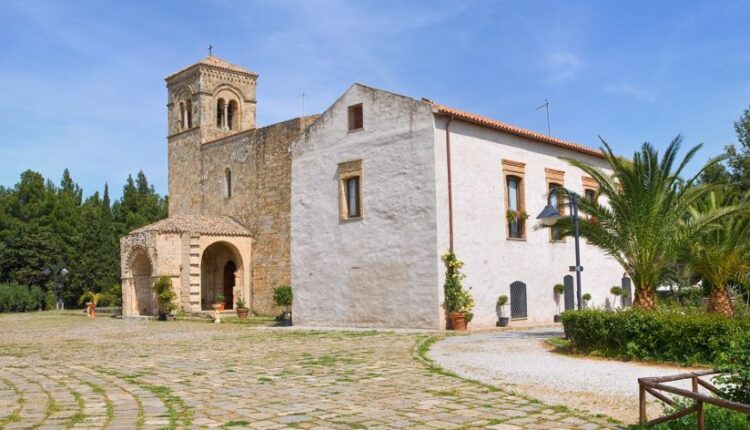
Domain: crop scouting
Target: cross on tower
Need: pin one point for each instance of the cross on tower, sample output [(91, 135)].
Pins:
[(210, 49)]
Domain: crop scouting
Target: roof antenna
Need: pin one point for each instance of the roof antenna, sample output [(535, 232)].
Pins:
[(303, 102), (546, 106)]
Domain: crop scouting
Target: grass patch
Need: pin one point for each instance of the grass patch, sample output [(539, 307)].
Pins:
[(236, 423), (560, 344)]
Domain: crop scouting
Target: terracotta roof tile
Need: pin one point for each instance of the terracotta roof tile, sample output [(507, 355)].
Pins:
[(203, 224), (512, 129), (216, 62)]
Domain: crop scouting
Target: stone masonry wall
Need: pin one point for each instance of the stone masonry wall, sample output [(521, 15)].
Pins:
[(260, 166)]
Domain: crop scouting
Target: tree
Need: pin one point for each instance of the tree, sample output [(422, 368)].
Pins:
[(642, 221), (721, 253)]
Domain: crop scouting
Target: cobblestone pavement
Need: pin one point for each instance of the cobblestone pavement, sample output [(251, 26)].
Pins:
[(65, 371)]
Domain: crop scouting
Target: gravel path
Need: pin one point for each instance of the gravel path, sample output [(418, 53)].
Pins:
[(522, 362)]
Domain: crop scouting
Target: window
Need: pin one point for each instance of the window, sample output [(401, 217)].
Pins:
[(182, 116), (355, 117), (228, 182), (350, 190), (515, 202), (555, 179), (590, 190), (556, 201), (189, 113), (220, 113), (232, 115), (352, 197), (515, 224)]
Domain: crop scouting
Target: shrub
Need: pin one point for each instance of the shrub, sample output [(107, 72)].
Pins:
[(20, 298), (735, 382), (50, 300), (282, 295), (240, 304), (165, 295), (661, 336)]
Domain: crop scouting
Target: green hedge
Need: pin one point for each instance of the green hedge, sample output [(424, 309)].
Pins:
[(661, 336), (19, 298)]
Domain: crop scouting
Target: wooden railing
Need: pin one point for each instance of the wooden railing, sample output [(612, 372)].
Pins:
[(655, 386)]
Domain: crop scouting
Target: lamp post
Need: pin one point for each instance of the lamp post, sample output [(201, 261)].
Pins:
[(59, 274), (549, 217)]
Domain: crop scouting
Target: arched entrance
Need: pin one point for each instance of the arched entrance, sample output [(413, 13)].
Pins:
[(221, 273), (142, 273)]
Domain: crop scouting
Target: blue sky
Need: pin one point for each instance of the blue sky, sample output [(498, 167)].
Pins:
[(83, 80)]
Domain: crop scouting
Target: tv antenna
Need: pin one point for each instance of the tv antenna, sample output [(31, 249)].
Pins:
[(546, 107), (303, 102)]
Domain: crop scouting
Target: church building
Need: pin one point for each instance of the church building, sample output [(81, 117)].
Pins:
[(354, 208)]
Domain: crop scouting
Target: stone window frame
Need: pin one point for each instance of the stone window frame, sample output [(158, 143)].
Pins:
[(347, 170), (515, 169), (555, 177), (353, 113)]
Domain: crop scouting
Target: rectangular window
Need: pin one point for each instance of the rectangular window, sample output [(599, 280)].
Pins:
[(557, 202), (515, 220), (355, 117), (350, 190), (352, 197), (515, 202)]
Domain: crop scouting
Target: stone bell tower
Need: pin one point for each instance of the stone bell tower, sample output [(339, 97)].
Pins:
[(206, 101)]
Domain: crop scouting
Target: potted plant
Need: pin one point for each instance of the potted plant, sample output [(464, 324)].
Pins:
[(559, 290), (502, 321), (458, 302), (165, 296), (282, 296), (92, 300), (242, 309), (586, 299), (514, 215), (617, 292), (219, 300)]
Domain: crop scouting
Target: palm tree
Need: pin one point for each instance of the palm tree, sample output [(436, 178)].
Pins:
[(722, 253), (642, 221)]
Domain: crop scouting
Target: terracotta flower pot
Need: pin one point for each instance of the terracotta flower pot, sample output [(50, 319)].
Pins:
[(242, 313), (458, 321), (221, 306)]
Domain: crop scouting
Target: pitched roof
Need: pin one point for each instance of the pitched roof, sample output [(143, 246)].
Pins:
[(512, 129), (203, 224), (215, 62)]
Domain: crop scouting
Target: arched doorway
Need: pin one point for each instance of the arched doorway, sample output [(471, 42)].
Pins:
[(142, 273), (221, 274), (229, 282)]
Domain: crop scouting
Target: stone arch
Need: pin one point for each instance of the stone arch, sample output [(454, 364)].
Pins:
[(221, 106), (215, 261), (141, 271), (233, 115)]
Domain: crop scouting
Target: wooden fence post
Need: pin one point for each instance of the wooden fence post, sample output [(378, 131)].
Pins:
[(642, 403), (699, 415)]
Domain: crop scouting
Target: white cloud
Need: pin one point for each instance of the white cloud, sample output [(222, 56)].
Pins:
[(630, 90), (564, 66)]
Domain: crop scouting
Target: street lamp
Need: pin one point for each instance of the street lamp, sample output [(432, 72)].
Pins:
[(59, 274), (549, 216)]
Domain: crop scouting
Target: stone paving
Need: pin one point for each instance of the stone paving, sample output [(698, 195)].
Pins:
[(65, 371)]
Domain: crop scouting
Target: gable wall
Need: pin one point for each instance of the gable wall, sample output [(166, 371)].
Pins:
[(380, 270)]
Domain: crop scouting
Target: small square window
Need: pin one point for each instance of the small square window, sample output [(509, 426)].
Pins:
[(355, 117)]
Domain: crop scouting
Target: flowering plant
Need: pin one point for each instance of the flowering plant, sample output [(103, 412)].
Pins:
[(514, 215), (457, 299)]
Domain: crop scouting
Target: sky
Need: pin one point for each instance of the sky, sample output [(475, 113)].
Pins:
[(82, 81)]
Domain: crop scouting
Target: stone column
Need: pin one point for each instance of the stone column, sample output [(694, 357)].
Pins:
[(226, 113)]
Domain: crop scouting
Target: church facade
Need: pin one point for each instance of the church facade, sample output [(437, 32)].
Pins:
[(355, 207)]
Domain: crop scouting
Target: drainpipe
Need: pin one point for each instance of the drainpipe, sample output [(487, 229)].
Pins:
[(450, 181)]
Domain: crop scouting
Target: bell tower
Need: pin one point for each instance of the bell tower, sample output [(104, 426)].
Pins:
[(206, 101)]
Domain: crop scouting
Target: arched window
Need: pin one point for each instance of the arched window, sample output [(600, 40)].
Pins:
[(182, 116), (189, 110), (220, 113), (228, 182), (232, 117)]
